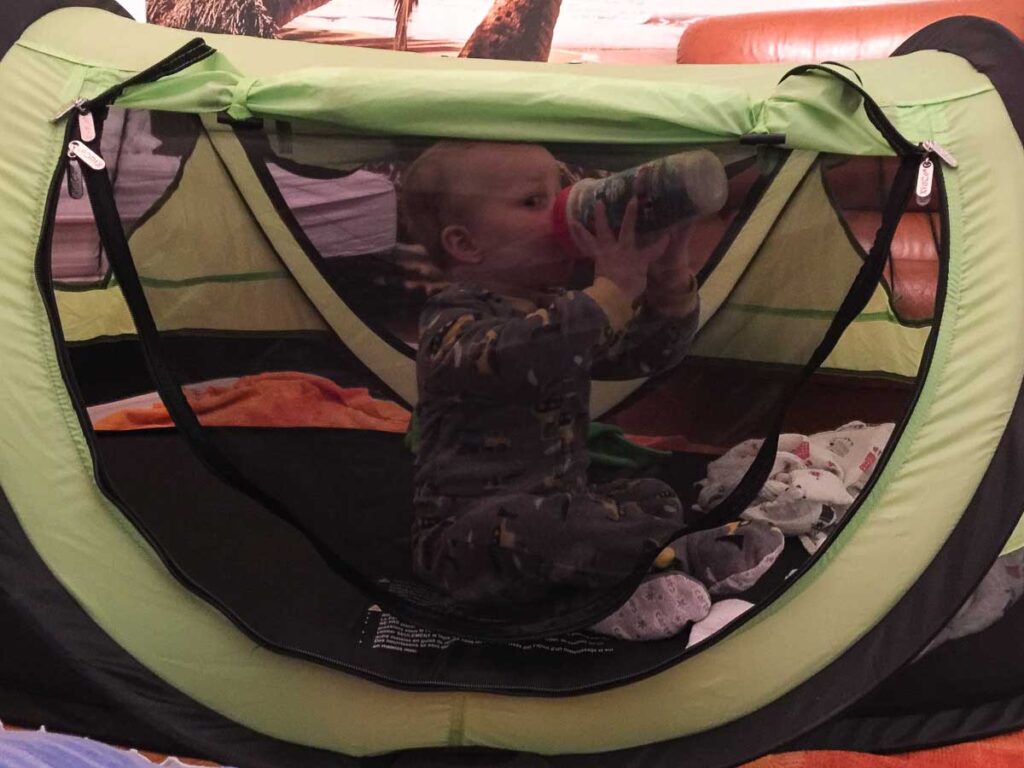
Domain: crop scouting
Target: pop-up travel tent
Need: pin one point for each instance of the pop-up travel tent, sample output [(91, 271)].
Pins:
[(207, 353)]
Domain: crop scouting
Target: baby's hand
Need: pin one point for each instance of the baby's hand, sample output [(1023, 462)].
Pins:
[(621, 258), (671, 281)]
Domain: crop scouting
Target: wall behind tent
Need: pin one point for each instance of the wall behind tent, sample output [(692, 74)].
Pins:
[(137, 8), (595, 31)]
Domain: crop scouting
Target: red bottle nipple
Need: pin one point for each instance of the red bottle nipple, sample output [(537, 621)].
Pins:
[(560, 224)]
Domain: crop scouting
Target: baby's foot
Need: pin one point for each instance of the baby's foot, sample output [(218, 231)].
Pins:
[(730, 559), (661, 607)]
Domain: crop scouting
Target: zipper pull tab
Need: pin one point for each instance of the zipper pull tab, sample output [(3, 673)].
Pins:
[(925, 179), (76, 184), (74, 106), (941, 152), (79, 151), (86, 125)]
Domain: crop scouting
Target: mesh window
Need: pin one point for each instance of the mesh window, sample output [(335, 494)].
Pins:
[(144, 165), (858, 188), (382, 339)]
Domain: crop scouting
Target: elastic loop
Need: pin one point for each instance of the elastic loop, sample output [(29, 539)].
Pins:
[(239, 109), (847, 68), (878, 118)]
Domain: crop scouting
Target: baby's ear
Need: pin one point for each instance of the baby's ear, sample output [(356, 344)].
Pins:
[(459, 244)]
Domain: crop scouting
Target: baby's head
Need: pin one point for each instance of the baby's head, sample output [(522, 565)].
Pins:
[(484, 210)]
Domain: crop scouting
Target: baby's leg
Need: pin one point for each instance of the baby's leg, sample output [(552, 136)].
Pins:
[(653, 497), (646, 494), (518, 547)]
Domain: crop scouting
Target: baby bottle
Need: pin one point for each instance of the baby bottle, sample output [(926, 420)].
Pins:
[(669, 190)]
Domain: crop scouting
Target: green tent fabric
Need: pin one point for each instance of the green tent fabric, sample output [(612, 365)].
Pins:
[(939, 511)]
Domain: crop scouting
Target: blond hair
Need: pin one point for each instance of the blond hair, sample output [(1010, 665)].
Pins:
[(429, 194), (445, 185)]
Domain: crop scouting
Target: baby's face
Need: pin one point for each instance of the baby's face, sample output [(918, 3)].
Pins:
[(509, 217)]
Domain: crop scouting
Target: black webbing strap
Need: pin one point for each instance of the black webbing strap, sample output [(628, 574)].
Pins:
[(847, 67), (874, 112), (863, 287), (194, 51)]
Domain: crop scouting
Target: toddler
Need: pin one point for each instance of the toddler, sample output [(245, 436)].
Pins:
[(504, 512)]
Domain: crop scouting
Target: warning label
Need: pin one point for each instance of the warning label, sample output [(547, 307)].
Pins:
[(384, 632)]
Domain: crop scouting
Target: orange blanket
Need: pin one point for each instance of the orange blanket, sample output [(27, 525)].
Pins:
[(1005, 751), (284, 399)]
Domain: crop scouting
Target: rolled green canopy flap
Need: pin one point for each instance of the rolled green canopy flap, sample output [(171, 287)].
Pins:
[(550, 104)]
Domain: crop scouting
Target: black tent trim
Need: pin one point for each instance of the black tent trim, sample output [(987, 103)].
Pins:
[(990, 48), (886, 734), (110, 695)]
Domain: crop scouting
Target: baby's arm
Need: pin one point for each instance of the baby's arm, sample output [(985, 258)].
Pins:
[(671, 281), (470, 346), (651, 344), (659, 336)]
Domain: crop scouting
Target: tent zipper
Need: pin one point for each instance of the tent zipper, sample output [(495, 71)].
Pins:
[(900, 144), (926, 171), (79, 152), (192, 52)]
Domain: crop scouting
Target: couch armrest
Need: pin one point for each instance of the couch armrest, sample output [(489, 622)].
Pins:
[(821, 34)]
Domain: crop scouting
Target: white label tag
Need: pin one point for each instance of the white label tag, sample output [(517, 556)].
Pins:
[(944, 154), (86, 155), (925, 178), (86, 126)]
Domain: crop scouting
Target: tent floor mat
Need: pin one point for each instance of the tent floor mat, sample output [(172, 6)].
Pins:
[(357, 488)]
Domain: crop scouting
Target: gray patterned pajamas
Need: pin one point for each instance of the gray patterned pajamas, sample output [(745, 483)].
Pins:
[(503, 509)]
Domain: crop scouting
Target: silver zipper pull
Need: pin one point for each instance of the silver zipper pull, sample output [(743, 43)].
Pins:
[(74, 106), (86, 125), (925, 180), (941, 152), (79, 151), (76, 184)]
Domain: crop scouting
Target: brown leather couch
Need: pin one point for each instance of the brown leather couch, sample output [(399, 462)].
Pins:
[(821, 34), (847, 34)]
